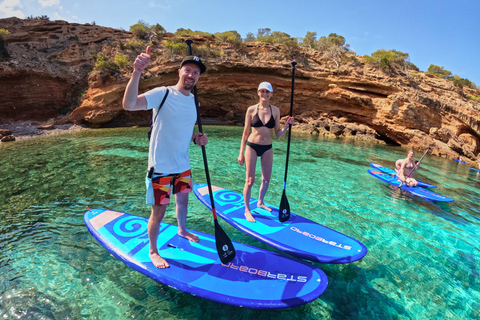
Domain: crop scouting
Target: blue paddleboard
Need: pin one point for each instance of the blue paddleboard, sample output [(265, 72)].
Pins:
[(418, 191), (298, 236), (256, 278), (473, 169), (461, 161), (391, 171)]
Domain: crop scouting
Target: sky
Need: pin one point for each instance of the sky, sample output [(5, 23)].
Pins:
[(440, 32)]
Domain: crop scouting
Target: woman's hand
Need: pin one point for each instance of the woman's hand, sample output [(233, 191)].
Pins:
[(289, 122), (241, 159)]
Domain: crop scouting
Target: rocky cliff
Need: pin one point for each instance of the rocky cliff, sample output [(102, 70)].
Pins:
[(50, 72)]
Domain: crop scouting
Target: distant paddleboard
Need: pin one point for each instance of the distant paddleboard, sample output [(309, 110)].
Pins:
[(256, 278), (473, 169), (461, 161), (297, 236), (418, 191), (391, 171)]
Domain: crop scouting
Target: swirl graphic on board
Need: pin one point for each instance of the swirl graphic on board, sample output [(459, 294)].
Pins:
[(223, 197), (130, 227)]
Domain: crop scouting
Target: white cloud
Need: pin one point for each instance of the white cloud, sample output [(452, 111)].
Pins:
[(57, 16), (49, 3), (11, 8), (162, 6)]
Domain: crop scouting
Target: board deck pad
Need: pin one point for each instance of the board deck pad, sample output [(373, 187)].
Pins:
[(393, 172), (256, 278), (418, 191), (297, 236)]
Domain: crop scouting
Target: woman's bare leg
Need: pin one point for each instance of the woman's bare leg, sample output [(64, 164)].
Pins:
[(267, 162), (250, 163)]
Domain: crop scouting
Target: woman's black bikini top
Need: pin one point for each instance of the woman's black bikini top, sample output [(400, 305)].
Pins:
[(256, 122)]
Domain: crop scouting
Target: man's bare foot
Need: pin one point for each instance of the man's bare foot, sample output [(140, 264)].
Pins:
[(263, 206), (249, 217), (189, 236), (158, 261)]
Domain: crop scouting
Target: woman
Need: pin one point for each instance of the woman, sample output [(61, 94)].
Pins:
[(404, 169), (261, 118)]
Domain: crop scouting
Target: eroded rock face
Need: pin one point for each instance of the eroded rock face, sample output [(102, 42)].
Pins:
[(51, 68)]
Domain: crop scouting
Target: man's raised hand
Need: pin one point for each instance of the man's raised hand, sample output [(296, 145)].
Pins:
[(142, 60)]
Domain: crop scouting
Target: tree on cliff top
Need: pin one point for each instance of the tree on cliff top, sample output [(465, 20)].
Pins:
[(388, 60), (458, 81), (190, 32), (334, 45), (310, 40), (266, 35), (144, 30), (232, 37), (438, 71)]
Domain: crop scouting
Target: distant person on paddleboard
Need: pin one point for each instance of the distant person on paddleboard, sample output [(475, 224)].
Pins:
[(172, 132), (261, 118), (404, 168)]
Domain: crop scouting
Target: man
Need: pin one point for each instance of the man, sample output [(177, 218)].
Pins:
[(168, 159)]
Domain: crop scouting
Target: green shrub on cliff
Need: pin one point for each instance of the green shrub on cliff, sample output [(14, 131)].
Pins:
[(232, 37), (103, 64), (250, 37), (44, 17), (177, 46), (387, 59), (137, 45), (461, 82), (474, 97), (3, 50), (438, 71), (310, 40), (3, 33), (145, 31), (122, 60), (190, 32), (139, 30)]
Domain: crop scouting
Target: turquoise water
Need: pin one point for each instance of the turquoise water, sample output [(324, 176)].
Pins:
[(423, 260)]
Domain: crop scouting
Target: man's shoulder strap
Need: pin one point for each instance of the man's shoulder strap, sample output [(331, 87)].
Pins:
[(152, 121)]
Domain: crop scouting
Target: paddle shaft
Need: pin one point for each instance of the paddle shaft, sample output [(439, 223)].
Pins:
[(200, 129), (290, 126), (415, 167)]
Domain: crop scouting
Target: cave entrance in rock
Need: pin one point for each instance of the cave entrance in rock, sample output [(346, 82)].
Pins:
[(471, 139)]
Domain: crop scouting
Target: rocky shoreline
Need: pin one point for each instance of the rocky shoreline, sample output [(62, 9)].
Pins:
[(19, 130)]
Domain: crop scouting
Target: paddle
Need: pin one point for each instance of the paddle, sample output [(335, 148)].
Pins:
[(284, 209), (225, 249), (418, 164)]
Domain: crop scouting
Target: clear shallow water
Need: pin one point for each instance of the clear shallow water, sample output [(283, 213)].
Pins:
[(423, 260)]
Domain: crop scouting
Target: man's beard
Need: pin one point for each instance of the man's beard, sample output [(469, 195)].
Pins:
[(188, 86)]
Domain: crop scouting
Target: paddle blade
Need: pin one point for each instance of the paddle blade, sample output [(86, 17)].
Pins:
[(284, 210), (225, 249)]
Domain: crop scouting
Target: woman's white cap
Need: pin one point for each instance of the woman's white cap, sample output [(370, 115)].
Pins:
[(265, 85)]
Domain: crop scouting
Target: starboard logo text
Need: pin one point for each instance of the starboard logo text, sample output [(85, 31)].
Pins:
[(266, 274), (312, 236)]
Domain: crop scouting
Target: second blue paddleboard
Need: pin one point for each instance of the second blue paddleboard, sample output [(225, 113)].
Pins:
[(298, 236), (393, 172), (418, 191)]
